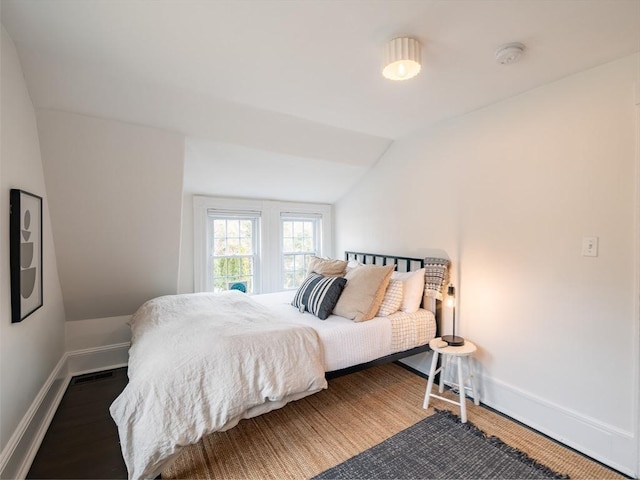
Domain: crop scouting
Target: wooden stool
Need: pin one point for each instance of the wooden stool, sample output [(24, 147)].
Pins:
[(449, 353)]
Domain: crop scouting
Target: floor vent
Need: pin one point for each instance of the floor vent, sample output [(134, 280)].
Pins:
[(91, 377)]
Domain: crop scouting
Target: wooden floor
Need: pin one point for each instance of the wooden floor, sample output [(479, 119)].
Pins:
[(82, 440)]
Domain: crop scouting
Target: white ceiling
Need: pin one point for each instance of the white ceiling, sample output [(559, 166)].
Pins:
[(302, 78)]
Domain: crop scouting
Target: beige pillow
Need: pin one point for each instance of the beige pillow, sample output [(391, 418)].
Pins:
[(327, 267), (363, 293)]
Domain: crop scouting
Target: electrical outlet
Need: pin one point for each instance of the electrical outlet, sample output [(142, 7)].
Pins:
[(589, 246)]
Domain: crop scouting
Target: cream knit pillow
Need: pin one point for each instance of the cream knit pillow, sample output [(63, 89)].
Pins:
[(392, 299)]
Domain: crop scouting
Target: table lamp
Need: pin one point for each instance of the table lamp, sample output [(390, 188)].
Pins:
[(452, 340)]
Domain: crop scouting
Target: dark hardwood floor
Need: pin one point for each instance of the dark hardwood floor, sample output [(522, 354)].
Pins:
[(82, 440)]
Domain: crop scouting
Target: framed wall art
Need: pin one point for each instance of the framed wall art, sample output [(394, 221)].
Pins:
[(25, 232)]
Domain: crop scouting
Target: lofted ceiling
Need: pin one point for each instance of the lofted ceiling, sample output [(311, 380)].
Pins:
[(300, 81)]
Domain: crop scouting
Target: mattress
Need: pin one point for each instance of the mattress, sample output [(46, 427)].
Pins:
[(347, 343)]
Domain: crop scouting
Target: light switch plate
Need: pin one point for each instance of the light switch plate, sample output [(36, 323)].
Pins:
[(589, 246)]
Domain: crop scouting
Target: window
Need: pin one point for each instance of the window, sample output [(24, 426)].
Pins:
[(300, 241), (233, 251), (262, 244)]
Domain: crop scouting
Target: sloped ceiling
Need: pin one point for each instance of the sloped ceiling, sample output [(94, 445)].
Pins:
[(300, 81)]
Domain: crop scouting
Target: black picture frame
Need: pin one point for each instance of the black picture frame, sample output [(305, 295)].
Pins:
[(25, 255)]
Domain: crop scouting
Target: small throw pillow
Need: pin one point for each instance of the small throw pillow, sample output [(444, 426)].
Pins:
[(412, 289), (364, 292), (318, 294), (327, 267), (392, 299)]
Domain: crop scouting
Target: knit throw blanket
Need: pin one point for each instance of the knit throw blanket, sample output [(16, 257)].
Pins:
[(436, 276)]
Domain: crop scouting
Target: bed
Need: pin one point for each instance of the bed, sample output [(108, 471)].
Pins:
[(202, 362), (352, 347)]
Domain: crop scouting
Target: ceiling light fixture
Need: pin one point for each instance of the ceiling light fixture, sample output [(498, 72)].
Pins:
[(509, 53), (403, 57)]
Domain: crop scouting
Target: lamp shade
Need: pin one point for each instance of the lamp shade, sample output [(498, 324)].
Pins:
[(403, 56)]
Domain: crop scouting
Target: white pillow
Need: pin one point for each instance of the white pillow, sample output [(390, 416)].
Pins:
[(351, 264), (412, 289)]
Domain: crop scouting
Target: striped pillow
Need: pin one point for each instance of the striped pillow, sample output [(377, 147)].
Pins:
[(319, 294)]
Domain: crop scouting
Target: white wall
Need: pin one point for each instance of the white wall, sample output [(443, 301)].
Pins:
[(31, 349), (115, 193), (509, 191)]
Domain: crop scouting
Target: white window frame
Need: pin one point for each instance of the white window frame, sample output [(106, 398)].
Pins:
[(213, 214), (270, 278), (299, 217)]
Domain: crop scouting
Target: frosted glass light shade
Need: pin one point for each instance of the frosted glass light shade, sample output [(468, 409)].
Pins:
[(403, 57)]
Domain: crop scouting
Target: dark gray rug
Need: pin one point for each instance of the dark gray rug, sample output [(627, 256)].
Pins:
[(440, 446)]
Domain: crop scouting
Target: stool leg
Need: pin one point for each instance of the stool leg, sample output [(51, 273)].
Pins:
[(432, 373), (463, 405), (472, 377), (445, 361)]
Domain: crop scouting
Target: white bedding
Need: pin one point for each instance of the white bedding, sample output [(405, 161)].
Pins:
[(236, 360), (347, 343)]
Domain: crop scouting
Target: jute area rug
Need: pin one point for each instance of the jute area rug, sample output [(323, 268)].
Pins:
[(356, 412)]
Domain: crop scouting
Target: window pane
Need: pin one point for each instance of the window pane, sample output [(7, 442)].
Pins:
[(233, 246), (289, 263), (308, 229), (246, 246), (287, 229), (246, 266), (297, 229), (289, 280), (219, 284), (246, 228), (220, 267), (219, 228), (307, 245), (233, 228), (219, 246), (300, 276)]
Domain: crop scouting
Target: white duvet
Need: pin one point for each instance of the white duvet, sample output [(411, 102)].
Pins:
[(200, 363)]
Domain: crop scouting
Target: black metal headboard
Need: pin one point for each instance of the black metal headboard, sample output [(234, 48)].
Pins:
[(402, 264)]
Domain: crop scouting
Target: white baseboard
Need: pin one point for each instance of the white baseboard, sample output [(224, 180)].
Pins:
[(98, 358), (21, 449), (606, 443)]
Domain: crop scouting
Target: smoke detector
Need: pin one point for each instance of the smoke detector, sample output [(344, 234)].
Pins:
[(509, 53)]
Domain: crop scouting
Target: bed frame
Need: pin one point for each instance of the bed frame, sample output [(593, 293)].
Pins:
[(402, 264)]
